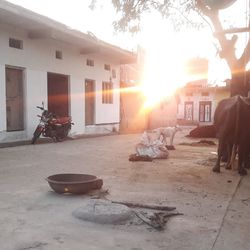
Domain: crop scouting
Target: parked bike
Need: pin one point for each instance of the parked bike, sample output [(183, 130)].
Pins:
[(52, 126)]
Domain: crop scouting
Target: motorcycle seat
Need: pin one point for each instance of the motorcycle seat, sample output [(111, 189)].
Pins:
[(62, 120)]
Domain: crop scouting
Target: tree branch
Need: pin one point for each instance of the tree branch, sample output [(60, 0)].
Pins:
[(227, 45), (245, 57)]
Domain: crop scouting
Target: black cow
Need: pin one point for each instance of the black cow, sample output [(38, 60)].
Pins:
[(232, 124)]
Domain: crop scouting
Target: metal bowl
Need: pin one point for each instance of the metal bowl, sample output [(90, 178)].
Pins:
[(74, 183)]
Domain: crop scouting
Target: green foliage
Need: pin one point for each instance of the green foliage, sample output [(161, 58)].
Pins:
[(181, 13), (178, 12)]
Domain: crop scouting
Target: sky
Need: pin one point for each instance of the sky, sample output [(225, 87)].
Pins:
[(78, 15), (165, 48)]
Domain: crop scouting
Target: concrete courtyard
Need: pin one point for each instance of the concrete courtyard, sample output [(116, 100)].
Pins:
[(215, 207)]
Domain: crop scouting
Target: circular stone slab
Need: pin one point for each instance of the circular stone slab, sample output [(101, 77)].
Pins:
[(103, 212)]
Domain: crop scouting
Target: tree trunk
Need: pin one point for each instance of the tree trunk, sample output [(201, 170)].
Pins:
[(239, 80), (239, 84)]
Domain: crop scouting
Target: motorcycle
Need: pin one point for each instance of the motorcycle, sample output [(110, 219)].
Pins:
[(51, 126)]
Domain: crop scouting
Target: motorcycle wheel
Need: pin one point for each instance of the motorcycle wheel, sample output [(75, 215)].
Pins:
[(63, 134), (36, 134)]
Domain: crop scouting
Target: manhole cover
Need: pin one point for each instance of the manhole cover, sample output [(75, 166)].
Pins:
[(103, 212)]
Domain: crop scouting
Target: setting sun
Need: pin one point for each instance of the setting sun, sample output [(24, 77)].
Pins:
[(162, 75), (166, 55)]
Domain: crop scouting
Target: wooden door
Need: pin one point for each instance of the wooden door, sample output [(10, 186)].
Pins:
[(14, 99), (58, 94), (89, 102)]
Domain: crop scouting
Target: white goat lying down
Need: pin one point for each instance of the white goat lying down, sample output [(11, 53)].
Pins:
[(165, 132), (152, 148)]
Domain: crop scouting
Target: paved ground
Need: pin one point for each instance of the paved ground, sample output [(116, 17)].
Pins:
[(215, 206)]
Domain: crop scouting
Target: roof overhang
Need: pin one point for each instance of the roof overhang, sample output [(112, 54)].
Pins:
[(41, 27)]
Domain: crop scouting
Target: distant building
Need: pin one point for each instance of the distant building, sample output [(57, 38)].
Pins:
[(197, 103), (171, 111), (132, 116)]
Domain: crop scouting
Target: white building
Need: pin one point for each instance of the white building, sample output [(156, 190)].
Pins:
[(44, 61), (197, 103)]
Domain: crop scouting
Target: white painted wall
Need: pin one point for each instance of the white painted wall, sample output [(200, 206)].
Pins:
[(196, 98), (37, 58), (2, 98)]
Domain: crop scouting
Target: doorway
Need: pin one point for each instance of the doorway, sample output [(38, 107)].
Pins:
[(89, 102), (14, 99), (189, 111), (58, 94), (205, 111)]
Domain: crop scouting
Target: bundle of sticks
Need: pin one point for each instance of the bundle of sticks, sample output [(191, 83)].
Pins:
[(156, 220)]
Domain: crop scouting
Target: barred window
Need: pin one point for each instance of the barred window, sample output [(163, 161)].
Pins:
[(107, 67), (59, 54), (15, 43), (107, 92), (90, 62)]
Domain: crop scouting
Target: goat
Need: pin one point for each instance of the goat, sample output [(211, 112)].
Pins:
[(165, 132)]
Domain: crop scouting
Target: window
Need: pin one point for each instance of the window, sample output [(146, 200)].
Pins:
[(107, 67), (15, 43), (188, 111), (107, 92), (113, 73), (59, 54), (205, 111), (90, 62)]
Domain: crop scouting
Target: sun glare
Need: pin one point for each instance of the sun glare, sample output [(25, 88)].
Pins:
[(165, 59), (163, 70), (163, 74)]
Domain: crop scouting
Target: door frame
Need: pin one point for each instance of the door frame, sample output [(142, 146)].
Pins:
[(68, 90), (7, 66), (93, 82), (202, 108), (185, 110)]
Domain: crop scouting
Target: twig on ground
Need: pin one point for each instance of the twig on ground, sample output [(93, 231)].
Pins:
[(148, 206), (146, 220), (157, 220)]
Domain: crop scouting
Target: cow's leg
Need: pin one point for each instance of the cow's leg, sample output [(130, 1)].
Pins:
[(247, 156), (247, 163), (216, 168), (231, 151), (242, 160)]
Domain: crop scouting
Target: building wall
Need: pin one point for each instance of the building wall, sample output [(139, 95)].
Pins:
[(164, 114), (215, 95), (37, 58), (133, 116)]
